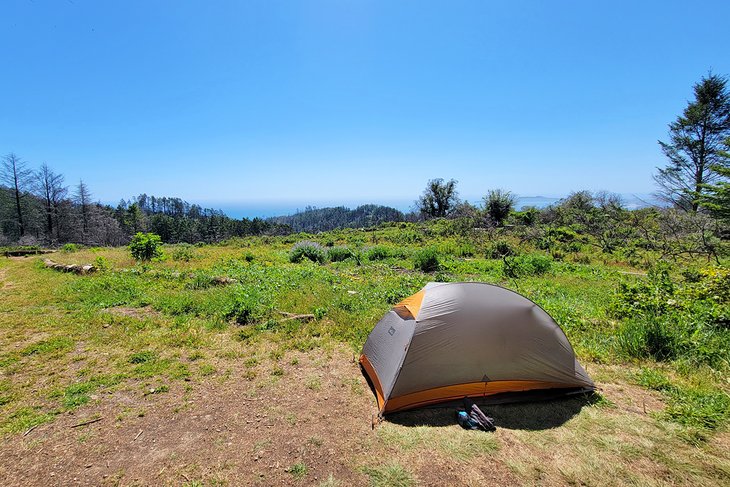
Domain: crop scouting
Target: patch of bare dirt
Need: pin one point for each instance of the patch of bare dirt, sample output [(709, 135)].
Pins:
[(4, 283), (236, 431), (632, 398)]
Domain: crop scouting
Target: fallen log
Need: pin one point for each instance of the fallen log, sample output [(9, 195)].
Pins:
[(222, 281), (74, 268), (25, 252)]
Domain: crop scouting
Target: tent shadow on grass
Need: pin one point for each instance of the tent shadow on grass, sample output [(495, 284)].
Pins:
[(539, 415)]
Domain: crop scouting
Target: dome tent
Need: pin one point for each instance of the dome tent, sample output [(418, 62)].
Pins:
[(467, 339)]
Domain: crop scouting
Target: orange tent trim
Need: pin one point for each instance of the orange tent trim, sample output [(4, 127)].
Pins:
[(408, 308), (374, 379), (459, 391)]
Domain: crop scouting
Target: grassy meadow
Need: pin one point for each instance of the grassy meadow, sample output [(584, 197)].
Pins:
[(653, 335)]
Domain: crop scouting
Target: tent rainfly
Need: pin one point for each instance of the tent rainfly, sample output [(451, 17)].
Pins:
[(454, 340)]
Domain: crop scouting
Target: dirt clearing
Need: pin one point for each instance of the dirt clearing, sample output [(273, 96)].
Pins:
[(309, 422)]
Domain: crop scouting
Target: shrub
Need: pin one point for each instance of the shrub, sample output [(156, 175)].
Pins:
[(101, 263), (339, 253), (655, 295), (395, 295), (146, 246), (70, 248), (500, 249), (426, 260), (142, 357), (242, 307), (378, 252), (307, 250), (527, 216), (526, 265), (559, 235), (648, 338), (465, 249)]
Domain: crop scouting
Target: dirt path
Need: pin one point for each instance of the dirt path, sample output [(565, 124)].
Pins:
[(4, 283)]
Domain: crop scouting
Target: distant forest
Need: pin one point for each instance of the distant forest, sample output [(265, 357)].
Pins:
[(325, 219), (38, 207)]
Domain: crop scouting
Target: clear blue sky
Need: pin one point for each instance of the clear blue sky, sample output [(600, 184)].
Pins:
[(348, 100)]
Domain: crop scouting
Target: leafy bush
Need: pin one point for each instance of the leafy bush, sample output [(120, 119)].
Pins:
[(500, 249), (101, 263), (242, 307), (378, 252), (307, 249), (146, 246), (407, 237), (527, 216), (654, 295), (339, 253), (465, 249), (70, 248), (426, 260), (649, 338), (668, 321), (142, 357), (526, 265)]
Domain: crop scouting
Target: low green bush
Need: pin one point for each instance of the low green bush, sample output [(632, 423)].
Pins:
[(339, 253), (426, 260), (500, 249), (146, 246), (649, 338), (101, 263), (242, 307), (70, 248), (526, 265), (307, 250), (379, 252), (664, 320)]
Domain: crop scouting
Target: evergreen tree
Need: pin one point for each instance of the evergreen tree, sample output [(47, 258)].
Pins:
[(717, 197), (695, 139)]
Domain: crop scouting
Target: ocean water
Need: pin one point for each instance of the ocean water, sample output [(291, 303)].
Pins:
[(265, 209)]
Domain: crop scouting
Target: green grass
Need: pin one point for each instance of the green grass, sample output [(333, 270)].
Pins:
[(704, 407), (390, 475), (165, 326), (298, 471)]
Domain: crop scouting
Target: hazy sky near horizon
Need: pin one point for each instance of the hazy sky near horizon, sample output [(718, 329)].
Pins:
[(349, 100)]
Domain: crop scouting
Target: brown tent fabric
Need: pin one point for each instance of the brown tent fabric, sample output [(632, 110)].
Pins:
[(452, 340)]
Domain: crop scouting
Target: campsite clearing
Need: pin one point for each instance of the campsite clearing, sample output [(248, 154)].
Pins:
[(191, 383)]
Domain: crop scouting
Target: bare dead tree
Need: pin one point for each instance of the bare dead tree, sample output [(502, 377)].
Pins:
[(50, 188), (15, 175)]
